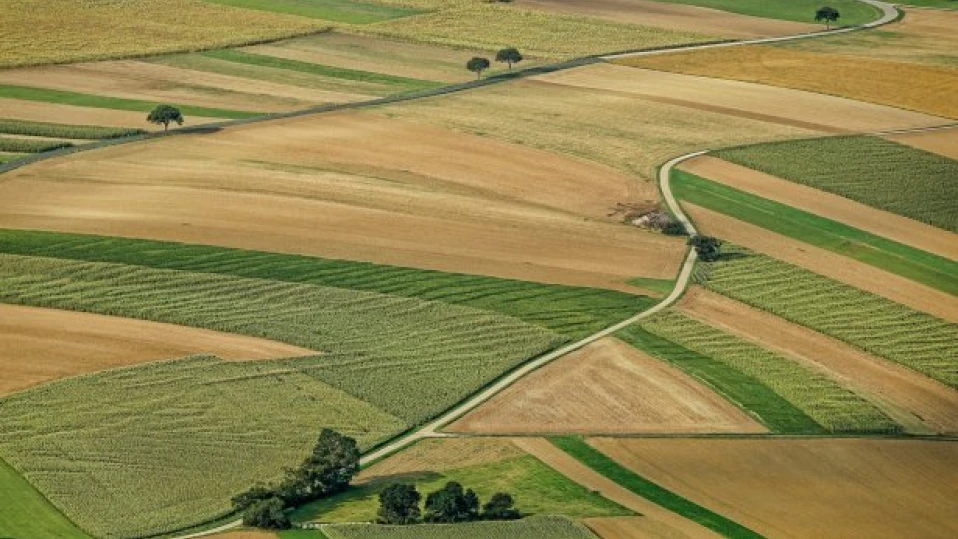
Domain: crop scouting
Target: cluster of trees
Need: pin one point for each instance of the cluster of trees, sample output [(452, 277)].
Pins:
[(510, 55), (708, 248), (399, 504), (326, 471)]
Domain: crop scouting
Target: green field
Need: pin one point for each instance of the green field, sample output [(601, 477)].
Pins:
[(24, 512), (872, 323), (570, 311), (45, 129), (45, 95), (545, 527), (852, 11), (882, 174), (7, 157), (171, 442), (920, 266), (953, 4), (770, 408), (596, 460), (346, 11), (25, 145), (830, 405), (661, 286)]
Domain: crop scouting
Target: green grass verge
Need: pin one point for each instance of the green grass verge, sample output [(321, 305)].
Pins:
[(45, 129), (347, 11), (773, 410), (7, 157), (26, 513), (953, 4), (920, 266), (398, 83), (882, 174), (874, 324), (852, 11), (171, 442), (821, 398), (45, 95), (571, 311), (604, 465), (22, 145), (661, 286), (544, 527)]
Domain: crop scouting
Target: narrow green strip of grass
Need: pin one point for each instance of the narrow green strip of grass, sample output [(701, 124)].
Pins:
[(662, 286), (920, 266), (46, 129), (7, 157), (319, 69), (348, 11), (47, 95), (26, 513), (24, 145), (773, 410), (604, 465), (852, 11)]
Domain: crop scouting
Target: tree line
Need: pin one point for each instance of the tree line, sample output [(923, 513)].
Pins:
[(399, 504)]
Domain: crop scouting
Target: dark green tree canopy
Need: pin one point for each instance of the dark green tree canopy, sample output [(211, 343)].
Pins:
[(399, 504), (708, 248), (452, 504), (258, 493), (327, 470), (165, 115), (267, 514), (827, 15), (477, 65), (500, 507), (509, 55)]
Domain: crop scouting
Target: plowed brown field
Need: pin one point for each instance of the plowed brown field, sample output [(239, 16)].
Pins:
[(674, 17), (16, 109), (944, 142), (41, 345), (827, 263), (914, 401), (843, 210), (356, 186), (439, 455), (631, 528), (800, 488), (606, 387)]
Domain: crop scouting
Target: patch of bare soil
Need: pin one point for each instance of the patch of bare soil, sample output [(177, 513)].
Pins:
[(943, 142)]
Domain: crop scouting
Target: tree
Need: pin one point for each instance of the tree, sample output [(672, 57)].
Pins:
[(451, 504), (327, 470), (477, 65), (165, 114), (258, 493), (500, 507), (708, 248), (827, 14), (399, 504), (267, 514), (510, 56)]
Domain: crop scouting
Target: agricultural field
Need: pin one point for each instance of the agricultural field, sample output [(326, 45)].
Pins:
[(26, 513), (880, 327), (852, 11), (606, 387), (529, 528), (943, 142), (829, 488)]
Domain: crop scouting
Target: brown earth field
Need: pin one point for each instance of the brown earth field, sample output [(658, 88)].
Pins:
[(922, 88), (841, 268), (920, 404), (673, 16), (36, 111), (837, 208), (799, 488), (343, 186), (442, 454), (40, 345), (606, 387), (655, 521), (631, 528), (943, 142), (755, 101)]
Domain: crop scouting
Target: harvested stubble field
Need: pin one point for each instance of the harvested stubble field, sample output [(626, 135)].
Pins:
[(339, 186), (874, 324), (916, 402), (41, 345), (606, 387), (553, 527), (808, 488), (346, 11), (912, 182), (853, 11), (943, 142), (45, 112), (824, 400), (26, 513), (922, 88)]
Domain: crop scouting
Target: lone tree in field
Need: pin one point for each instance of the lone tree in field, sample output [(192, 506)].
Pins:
[(399, 504), (708, 248), (500, 507), (267, 514), (477, 65), (452, 504), (328, 470), (509, 56), (165, 114), (828, 15)]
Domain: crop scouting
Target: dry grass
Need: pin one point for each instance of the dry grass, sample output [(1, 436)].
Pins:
[(943, 142), (923, 88)]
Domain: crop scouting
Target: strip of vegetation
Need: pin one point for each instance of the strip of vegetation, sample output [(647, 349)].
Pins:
[(774, 411), (26, 513), (402, 83), (604, 465), (872, 323), (573, 312), (852, 11), (871, 170), (47, 95), (347, 11), (540, 527), (829, 404), (45, 129), (21, 145), (7, 157), (920, 266)]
